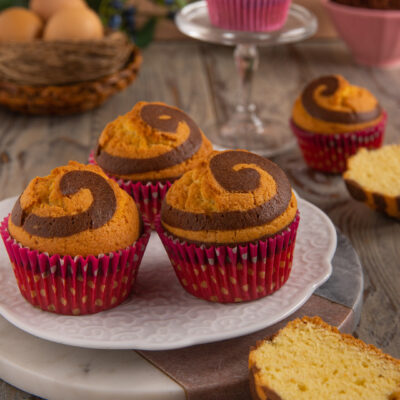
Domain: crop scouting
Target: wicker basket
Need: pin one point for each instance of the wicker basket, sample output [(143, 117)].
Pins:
[(63, 62), (68, 99), (63, 78)]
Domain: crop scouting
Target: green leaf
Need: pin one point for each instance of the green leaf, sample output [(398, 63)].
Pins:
[(145, 35), (94, 4), (181, 3), (13, 3)]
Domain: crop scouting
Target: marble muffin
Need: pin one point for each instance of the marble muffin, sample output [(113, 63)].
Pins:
[(49, 217), (80, 233), (148, 148), (152, 142), (311, 360), (332, 119), (232, 200), (373, 177)]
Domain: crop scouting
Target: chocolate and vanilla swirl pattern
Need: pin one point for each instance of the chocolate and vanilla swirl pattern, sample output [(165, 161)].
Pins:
[(99, 213), (234, 177), (330, 85), (75, 210), (162, 118)]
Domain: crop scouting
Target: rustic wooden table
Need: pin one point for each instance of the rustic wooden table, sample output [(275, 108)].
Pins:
[(201, 80)]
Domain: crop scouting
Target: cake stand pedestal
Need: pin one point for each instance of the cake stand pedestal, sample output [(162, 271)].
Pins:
[(244, 128), (213, 371)]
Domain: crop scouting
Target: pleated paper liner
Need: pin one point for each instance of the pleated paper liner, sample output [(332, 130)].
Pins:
[(232, 274), (74, 285), (248, 15), (147, 195), (329, 153)]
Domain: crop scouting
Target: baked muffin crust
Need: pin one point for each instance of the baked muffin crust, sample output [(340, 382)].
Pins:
[(76, 210), (330, 105), (153, 141), (232, 197)]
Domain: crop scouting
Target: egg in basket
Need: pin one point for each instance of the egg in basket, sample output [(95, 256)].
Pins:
[(56, 58)]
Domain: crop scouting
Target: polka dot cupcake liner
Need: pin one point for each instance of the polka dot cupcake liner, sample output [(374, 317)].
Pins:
[(148, 196), (248, 15), (74, 285), (329, 153), (232, 274)]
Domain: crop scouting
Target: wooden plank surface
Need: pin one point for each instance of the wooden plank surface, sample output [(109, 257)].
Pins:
[(201, 79)]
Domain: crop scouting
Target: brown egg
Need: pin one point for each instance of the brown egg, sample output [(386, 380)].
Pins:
[(74, 24), (19, 24), (47, 8)]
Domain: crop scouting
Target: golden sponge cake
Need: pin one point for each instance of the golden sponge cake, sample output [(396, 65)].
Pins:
[(311, 360), (373, 177)]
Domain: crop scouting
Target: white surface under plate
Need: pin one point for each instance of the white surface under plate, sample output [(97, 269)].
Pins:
[(161, 315)]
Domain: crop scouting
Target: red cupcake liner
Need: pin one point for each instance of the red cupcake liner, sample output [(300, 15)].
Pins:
[(232, 274), (329, 153), (148, 196), (248, 15), (74, 285)]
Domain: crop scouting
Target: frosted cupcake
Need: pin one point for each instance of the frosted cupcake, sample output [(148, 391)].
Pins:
[(75, 241), (147, 149), (333, 119), (229, 227)]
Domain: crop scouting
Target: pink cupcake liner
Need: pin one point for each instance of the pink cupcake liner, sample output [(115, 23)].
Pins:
[(232, 274), (248, 15), (74, 285), (329, 153), (148, 196)]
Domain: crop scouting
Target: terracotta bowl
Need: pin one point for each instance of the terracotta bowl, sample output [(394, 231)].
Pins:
[(373, 36)]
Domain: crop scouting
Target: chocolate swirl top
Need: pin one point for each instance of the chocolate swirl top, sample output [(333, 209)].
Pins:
[(244, 180), (98, 214), (331, 85), (163, 118)]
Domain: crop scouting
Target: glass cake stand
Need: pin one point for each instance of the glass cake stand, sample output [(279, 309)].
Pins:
[(244, 128)]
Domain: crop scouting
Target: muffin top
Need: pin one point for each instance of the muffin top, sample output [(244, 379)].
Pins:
[(152, 142), (232, 197), (330, 105), (76, 210)]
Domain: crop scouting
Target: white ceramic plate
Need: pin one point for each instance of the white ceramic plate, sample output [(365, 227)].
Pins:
[(160, 315)]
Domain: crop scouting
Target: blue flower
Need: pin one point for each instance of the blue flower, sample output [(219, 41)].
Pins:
[(115, 21), (117, 4)]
